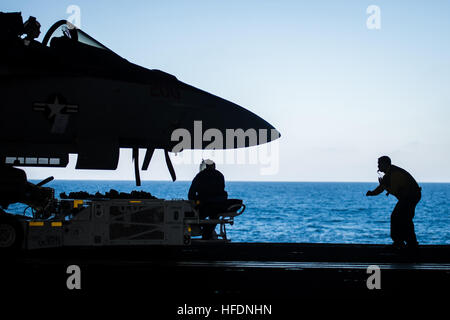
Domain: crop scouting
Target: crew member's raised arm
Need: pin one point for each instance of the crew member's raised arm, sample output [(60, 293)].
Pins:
[(376, 191)]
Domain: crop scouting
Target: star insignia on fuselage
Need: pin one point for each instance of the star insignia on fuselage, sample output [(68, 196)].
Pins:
[(57, 111), (55, 108)]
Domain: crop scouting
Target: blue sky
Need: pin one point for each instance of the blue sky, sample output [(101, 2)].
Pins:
[(340, 94)]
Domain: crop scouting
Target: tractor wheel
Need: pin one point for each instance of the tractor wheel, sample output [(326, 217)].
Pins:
[(11, 234)]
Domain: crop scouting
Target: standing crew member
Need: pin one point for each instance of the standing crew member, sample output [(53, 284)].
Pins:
[(404, 187)]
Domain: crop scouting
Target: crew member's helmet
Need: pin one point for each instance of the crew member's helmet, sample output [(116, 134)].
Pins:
[(207, 164)]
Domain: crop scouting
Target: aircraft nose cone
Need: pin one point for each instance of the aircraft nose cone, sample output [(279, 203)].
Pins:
[(214, 116)]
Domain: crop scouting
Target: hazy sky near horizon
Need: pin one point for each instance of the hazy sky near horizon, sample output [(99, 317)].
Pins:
[(341, 94)]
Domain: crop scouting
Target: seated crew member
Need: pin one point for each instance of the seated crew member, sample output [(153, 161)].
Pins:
[(208, 187), (404, 187), (32, 30)]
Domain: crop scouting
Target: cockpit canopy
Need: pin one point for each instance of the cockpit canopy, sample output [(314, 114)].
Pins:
[(65, 29)]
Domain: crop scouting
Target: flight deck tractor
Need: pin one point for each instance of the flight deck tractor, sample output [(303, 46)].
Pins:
[(126, 221)]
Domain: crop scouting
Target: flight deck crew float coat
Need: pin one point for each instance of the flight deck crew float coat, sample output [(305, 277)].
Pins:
[(208, 186), (404, 187)]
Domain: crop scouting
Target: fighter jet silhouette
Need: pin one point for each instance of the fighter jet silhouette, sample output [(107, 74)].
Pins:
[(71, 94)]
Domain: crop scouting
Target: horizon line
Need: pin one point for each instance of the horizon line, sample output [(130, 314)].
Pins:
[(273, 181)]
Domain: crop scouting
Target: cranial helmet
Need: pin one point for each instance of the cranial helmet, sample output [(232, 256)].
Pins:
[(207, 164)]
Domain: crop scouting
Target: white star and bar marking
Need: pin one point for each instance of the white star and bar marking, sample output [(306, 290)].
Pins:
[(55, 107), (59, 111)]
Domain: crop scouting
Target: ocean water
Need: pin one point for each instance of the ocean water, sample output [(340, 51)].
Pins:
[(309, 212)]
